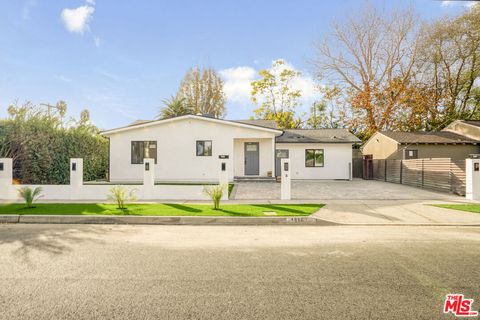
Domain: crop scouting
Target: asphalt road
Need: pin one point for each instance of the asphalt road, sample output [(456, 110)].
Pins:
[(193, 272)]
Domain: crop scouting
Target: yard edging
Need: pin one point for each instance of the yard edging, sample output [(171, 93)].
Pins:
[(162, 220)]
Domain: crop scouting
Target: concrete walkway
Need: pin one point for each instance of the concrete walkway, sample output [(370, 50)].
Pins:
[(357, 189), (394, 212)]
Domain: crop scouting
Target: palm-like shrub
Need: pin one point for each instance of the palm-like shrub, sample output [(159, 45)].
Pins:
[(174, 107), (30, 195), (120, 195), (215, 193)]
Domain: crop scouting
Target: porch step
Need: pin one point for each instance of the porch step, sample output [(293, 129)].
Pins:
[(254, 179)]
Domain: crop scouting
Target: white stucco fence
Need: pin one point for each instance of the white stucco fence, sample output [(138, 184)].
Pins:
[(77, 190)]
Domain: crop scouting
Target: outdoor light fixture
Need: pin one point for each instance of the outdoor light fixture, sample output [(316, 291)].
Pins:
[(147, 166), (1, 166), (74, 166)]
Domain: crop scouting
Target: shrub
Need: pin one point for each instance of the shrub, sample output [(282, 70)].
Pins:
[(30, 195), (215, 193), (120, 195)]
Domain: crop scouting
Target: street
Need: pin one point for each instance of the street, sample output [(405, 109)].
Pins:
[(227, 272)]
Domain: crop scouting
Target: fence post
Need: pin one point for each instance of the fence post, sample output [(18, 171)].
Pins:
[(401, 171), (286, 184), (423, 172), (385, 175), (148, 178), (7, 190), (6, 171), (76, 178)]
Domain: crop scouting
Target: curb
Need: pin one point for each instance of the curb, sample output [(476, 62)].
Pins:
[(163, 220)]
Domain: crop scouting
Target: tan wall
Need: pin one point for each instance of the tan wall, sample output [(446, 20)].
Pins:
[(380, 146), (440, 151), (464, 129)]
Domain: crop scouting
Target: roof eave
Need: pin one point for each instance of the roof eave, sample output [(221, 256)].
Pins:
[(155, 122)]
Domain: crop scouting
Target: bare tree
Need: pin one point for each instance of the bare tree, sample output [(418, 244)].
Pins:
[(449, 66), (369, 58), (202, 91)]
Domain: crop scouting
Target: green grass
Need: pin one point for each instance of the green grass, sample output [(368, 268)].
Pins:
[(239, 210), (462, 207)]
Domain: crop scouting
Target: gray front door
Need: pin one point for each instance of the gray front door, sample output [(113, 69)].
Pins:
[(252, 158), (279, 154)]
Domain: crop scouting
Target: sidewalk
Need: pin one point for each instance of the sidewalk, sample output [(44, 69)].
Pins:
[(394, 212)]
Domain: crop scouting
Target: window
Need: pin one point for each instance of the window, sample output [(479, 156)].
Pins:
[(411, 154), (143, 150), (204, 148), (314, 158)]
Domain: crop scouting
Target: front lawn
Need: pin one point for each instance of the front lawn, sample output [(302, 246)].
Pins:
[(240, 210), (470, 207)]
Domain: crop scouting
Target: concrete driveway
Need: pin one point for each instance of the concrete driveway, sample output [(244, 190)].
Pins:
[(365, 202), (338, 190)]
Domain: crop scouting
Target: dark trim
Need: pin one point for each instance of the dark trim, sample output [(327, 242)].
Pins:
[(143, 154), (314, 151), (109, 157), (204, 155), (349, 142)]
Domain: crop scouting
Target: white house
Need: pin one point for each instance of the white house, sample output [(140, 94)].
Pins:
[(188, 148)]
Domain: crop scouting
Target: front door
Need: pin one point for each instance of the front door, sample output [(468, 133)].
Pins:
[(252, 159), (279, 154)]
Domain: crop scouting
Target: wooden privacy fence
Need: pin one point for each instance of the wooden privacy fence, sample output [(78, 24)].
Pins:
[(441, 174)]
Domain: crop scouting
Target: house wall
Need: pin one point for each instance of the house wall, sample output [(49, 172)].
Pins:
[(464, 129), (381, 147), (337, 160), (266, 149), (176, 150), (439, 151)]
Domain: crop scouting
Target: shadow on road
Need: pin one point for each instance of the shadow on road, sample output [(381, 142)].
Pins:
[(49, 239)]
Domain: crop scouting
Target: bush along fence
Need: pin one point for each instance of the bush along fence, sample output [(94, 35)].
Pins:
[(78, 190), (440, 174)]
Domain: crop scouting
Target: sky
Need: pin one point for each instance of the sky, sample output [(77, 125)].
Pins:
[(120, 58)]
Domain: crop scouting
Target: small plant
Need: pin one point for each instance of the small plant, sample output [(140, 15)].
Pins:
[(120, 195), (215, 193), (30, 195)]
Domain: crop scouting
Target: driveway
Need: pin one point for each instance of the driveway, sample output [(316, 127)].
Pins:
[(357, 189), (179, 272), (364, 202)]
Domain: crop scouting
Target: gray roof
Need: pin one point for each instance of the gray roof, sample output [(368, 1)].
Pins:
[(317, 136), (428, 137), (271, 124)]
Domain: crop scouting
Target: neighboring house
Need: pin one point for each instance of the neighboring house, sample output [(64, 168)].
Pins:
[(417, 145), (187, 148), (467, 128)]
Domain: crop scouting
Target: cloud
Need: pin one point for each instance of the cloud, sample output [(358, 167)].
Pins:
[(91, 2), (97, 41), (76, 20), (470, 4), (466, 4), (237, 83), (27, 7)]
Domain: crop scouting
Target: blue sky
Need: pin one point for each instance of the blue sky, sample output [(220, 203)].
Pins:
[(120, 58)]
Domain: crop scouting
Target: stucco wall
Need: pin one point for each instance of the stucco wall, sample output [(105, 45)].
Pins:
[(440, 151), (266, 148), (176, 150), (337, 158), (381, 147)]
